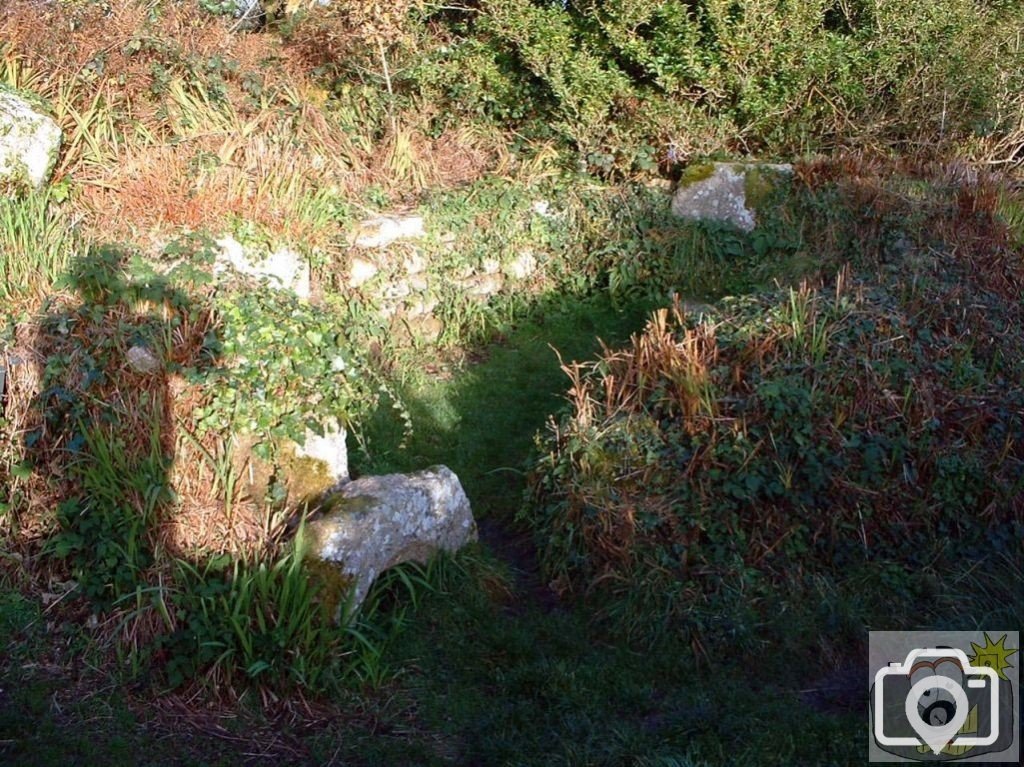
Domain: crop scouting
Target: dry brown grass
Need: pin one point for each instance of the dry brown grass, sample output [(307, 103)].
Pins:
[(952, 204), (164, 130), (207, 517), (664, 432)]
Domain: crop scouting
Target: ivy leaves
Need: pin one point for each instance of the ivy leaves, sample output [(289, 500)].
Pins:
[(284, 362)]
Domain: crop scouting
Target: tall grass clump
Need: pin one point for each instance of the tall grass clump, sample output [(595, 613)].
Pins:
[(37, 242), (250, 621)]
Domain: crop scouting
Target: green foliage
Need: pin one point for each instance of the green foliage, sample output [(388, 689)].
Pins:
[(251, 621), (638, 83), (798, 433), (36, 242), (106, 531), (285, 362), (621, 238), (265, 362), (219, 7), (583, 86)]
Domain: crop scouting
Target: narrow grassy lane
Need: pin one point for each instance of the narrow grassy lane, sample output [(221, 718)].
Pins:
[(481, 420), (515, 677)]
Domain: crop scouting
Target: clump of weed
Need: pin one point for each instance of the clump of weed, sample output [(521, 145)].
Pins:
[(36, 243)]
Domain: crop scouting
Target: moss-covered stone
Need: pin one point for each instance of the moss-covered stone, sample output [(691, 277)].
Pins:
[(338, 505), (374, 523), (762, 184), (305, 477), (729, 193), (333, 585), (36, 101)]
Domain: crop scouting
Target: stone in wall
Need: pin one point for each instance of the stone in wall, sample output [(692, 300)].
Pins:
[(727, 192)]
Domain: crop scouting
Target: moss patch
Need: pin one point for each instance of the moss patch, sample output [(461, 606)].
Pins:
[(697, 172), (333, 586), (762, 185), (337, 505), (305, 477)]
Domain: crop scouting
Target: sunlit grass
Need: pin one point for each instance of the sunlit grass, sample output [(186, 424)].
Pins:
[(36, 243)]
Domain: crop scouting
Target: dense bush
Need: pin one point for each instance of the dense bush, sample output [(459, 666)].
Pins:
[(635, 82)]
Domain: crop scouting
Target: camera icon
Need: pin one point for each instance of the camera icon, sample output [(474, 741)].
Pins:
[(938, 695)]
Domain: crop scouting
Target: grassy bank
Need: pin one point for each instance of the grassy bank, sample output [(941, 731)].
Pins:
[(701, 458)]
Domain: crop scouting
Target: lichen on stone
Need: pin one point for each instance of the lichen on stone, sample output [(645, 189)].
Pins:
[(29, 140)]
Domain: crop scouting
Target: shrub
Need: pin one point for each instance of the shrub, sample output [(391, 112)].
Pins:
[(625, 83)]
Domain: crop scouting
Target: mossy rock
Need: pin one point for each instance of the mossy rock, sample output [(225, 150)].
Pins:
[(33, 99), (696, 173), (762, 184), (729, 193), (304, 476), (334, 586)]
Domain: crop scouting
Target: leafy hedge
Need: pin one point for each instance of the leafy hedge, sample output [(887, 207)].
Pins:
[(633, 84)]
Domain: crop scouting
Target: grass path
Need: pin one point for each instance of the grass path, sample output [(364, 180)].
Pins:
[(480, 420), (519, 679)]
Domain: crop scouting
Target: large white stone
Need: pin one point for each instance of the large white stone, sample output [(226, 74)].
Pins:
[(722, 196), (284, 269), (375, 523), (29, 141), (382, 231)]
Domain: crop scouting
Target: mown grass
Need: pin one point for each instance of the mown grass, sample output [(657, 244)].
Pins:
[(520, 684)]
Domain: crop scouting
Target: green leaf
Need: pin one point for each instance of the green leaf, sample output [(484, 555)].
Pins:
[(22, 470)]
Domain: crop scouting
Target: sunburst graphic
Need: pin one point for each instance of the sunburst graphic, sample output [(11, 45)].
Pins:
[(994, 655)]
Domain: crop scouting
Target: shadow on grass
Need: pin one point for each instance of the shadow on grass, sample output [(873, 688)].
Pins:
[(480, 419), (105, 439)]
